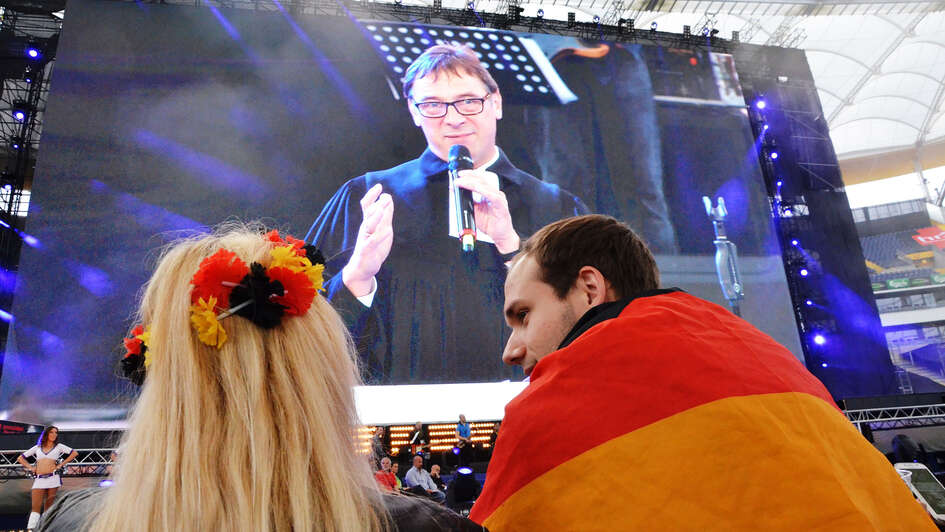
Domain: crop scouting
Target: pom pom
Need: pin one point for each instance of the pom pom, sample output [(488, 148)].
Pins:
[(132, 367), (222, 266), (314, 255), (137, 356), (203, 318), (256, 286), (299, 292)]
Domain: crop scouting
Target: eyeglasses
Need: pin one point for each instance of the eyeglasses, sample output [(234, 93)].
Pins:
[(465, 107)]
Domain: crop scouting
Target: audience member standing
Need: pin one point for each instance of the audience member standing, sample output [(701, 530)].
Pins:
[(46, 452)]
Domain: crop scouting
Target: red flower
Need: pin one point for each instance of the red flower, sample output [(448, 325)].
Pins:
[(273, 236), (133, 345), (222, 266), (296, 244), (137, 331), (299, 291)]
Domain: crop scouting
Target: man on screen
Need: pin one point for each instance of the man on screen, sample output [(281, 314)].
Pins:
[(715, 425), (418, 306)]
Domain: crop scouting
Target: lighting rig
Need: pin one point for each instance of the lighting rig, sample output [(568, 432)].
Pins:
[(29, 35)]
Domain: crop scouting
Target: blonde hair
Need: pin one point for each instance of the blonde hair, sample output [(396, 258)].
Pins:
[(257, 435)]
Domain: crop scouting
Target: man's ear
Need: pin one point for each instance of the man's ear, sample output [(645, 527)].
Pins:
[(497, 102), (417, 117), (593, 287)]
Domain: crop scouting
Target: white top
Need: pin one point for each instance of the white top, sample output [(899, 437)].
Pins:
[(419, 477), (53, 454)]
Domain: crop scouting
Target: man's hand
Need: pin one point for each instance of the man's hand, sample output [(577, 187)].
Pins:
[(492, 213), (372, 247)]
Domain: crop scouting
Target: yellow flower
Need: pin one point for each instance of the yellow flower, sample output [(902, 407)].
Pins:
[(315, 275), (286, 257), (203, 317), (145, 338)]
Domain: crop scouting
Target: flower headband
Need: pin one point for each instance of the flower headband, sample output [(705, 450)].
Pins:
[(225, 285)]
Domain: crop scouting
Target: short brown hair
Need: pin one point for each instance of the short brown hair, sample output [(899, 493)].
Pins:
[(447, 59), (562, 248)]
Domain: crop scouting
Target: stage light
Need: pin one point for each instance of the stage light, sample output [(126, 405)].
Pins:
[(823, 364), (761, 104), (819, 339), (653, 26), (541, 13), (471, 5), (33, 53), (809, 303), (804, 272), (19, 115), (705, 31), (793, 242), (765, 127), (6, 316), (464, 471), (774, 155), (572, 18), (30, 240), (456, 450), (105, 482)]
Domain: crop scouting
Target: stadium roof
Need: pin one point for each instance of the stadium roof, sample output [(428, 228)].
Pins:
[(879, 66)]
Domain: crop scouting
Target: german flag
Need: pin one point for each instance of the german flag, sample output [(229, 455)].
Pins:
[(678, 415)]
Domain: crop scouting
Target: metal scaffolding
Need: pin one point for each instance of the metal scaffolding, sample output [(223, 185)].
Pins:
[(88, 463)]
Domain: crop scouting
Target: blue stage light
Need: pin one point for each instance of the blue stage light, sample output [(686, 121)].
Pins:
[(761, 104), (804, 272), (653, 26), (30, 240), (819, 339), (455, 450), (33, 53), (6, 316), (794, 242), (823, 364), (541, 13), (809, 303), (765, 127), (464, 471), (779, 183), (105, 482), (19, 116), (774, 155)]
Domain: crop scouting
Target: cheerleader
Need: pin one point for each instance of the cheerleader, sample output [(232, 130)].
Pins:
[(47, 452)]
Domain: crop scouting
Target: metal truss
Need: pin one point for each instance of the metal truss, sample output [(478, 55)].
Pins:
[(88, 463), (898, 417)]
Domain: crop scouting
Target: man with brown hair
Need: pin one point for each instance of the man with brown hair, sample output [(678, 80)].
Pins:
[(412, 299), (714, 424)]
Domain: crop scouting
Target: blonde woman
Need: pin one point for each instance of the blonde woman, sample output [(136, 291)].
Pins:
[(246, 416)]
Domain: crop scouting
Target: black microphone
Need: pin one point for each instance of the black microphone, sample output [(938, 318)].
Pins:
[(460, 159)]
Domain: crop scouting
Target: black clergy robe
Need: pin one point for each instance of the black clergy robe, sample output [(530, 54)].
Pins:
[(437, 314)]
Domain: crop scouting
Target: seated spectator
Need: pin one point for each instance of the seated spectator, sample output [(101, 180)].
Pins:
[(395, 469), (385, 478), (418, 479), (717, 426), (246, 418), (435, 476)]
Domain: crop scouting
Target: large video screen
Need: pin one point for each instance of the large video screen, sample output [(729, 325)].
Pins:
[(164, 120)]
